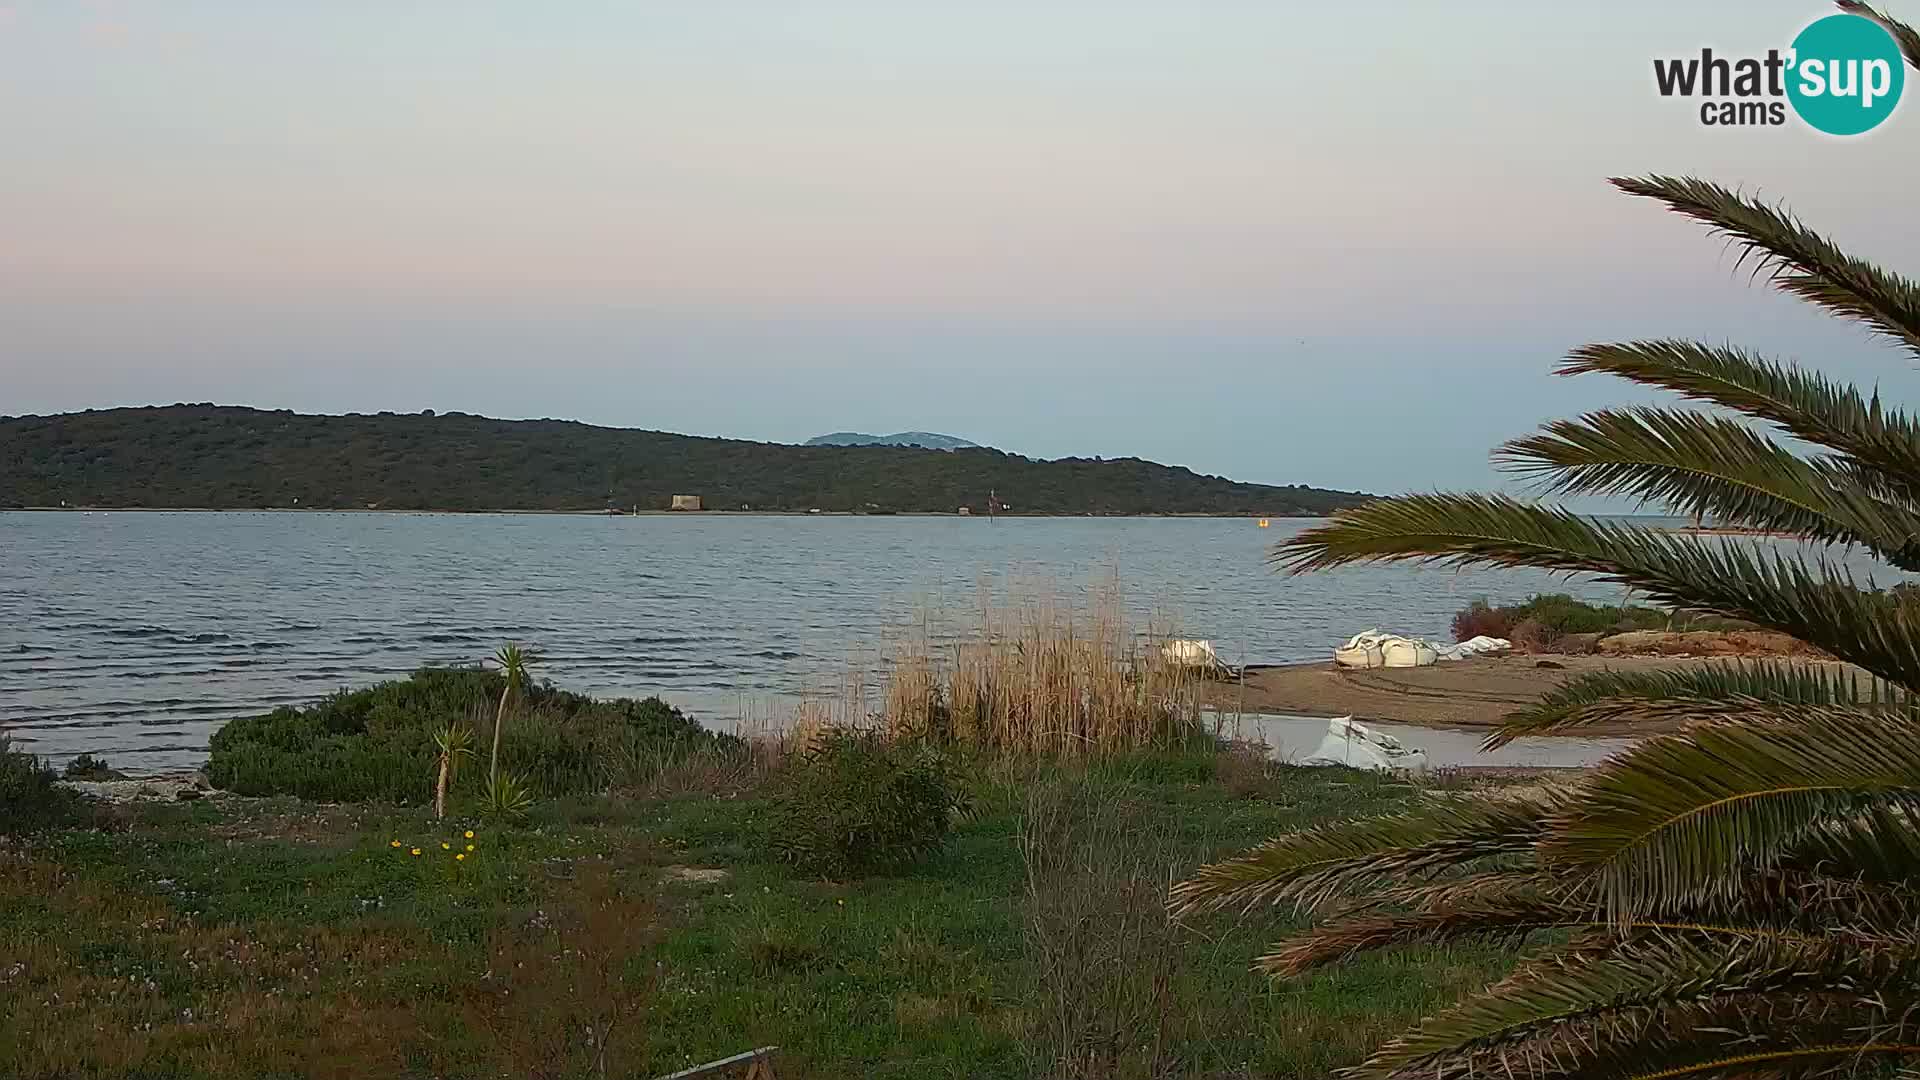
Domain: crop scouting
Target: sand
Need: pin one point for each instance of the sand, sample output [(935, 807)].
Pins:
[(1458, 694)]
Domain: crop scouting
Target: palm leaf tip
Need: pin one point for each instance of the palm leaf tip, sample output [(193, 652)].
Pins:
[(1793, 257), (1907, 38), (1315, 866), (1722, 690)]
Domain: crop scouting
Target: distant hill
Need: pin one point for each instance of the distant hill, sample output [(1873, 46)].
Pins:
[(227, 457), (925, 440)]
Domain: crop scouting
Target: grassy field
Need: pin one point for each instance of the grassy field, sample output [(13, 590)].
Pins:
[(631, 937)]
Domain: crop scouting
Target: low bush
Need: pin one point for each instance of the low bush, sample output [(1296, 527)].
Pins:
[(1106, 958), (1534, 635), (855, 802), (1551, 616), (30, 798), (88, 767), (377, 744), (1479, 619)]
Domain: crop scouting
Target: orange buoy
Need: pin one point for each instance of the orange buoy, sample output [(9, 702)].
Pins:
[(1263, 523)]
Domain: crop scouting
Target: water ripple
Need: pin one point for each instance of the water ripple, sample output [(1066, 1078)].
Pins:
[(137, 635)]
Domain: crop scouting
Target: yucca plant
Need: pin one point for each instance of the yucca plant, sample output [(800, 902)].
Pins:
[(513, 662), (1741, 898), (454, 741), (506, 796)]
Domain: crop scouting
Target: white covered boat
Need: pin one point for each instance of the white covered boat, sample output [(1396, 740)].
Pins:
[(1190, 653), (1374, 649), (1358, 746)]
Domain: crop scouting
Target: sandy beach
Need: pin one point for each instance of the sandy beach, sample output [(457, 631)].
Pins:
[(1455, 694)]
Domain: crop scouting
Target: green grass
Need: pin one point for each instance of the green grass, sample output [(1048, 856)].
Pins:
[(273, 937)]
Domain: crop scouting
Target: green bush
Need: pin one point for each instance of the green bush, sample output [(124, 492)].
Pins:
[(29, 797), (377, 744), (856, 803), (88, 767), (1553, 616)]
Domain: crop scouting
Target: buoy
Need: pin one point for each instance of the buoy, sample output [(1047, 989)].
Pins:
[(1263, 523)]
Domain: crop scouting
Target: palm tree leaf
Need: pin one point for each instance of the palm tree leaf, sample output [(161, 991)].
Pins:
[(1682, 817), (1795, 258), (1721, 690), (1713, 466), (1818, 605), (1609, 1000), (1873, 855), (1797, 1036), (1511, 919), (1907, 37), (1311, 867), (1808, 908), (1804, 404)]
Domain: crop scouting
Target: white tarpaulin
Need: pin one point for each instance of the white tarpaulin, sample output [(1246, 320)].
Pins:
[(1360, 747), (1375, 649)]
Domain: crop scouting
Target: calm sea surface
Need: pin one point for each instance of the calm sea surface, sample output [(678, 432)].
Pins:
[(137, 635)]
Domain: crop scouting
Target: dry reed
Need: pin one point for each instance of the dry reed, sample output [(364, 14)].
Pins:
[(1042, 675)]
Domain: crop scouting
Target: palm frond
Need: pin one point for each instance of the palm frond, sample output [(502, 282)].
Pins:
[(1818, 605), (1872, 855), (1778, 1036), (1804, 404), (1684, 816), (1905, 35), (1791, 906), (1606, 1003), (1713, 466), (1795, 258), (1311, 867), (1721, 690), (1510, 920)]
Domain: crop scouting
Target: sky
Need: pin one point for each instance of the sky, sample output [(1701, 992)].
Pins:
[(1285, 243)]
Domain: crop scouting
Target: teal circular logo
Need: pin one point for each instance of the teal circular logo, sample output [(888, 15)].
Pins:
[(1846, 74)]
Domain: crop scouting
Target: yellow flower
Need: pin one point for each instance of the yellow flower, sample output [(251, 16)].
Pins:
[(444, 846), (469, 847), (416, 851), (460, 857), (396, 843), (469, 834)]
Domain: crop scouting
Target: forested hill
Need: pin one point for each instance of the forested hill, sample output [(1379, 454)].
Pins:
[(230, 458)]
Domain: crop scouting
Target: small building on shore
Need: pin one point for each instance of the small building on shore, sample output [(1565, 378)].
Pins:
[(684, 502)]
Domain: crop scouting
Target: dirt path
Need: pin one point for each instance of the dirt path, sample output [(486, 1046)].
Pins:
[(1461, 693)]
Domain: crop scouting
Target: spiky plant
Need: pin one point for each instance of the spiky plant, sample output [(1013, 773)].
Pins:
[(454, 741), (506, 796), (513, 662), (1741, 898)]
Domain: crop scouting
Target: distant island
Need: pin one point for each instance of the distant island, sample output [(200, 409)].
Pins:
[(925, 440), (230, 457)]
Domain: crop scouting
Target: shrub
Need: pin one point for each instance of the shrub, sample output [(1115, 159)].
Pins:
[(1479, 619), (88, 767), (855, 803), (1533, 635), (30, 798), (378, 743), (1554, 615), (1105, 955)]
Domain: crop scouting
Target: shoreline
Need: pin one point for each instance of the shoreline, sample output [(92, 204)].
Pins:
[(1457, 695), (626, 513)]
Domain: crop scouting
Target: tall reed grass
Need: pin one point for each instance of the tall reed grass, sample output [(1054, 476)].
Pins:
[(1038, 673)]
